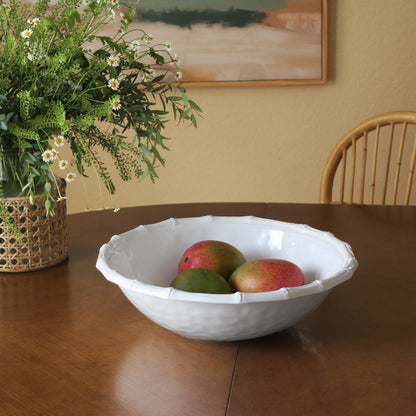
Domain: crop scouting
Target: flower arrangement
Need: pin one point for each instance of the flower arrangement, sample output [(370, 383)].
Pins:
[(66, 82)]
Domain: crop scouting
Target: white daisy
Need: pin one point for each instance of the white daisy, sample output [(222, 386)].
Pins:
[(178, 75), (54, 154), (47, 156), (26, 33), (63, 164), (116, 104), (59, 141), (113, 84), (113, 60), (70, 177), (123, 17), (62, 198), (135, 45), (35, 21)]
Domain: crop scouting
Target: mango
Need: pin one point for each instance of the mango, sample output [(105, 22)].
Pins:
[(201, 280)]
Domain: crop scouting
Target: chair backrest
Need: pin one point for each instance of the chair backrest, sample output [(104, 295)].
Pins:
[(374, 163)]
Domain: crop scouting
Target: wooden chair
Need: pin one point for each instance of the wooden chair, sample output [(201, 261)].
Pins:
[(374, 163)]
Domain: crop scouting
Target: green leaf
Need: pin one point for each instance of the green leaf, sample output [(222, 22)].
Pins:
[(195, 106), (135, 108), (185, 100), (139, 161), (48, 206), (146, 150), (143, 175)]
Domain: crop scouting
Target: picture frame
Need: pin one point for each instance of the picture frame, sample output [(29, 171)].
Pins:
[(243, 42)]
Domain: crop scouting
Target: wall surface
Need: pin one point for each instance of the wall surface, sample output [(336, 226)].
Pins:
[(270, 143)]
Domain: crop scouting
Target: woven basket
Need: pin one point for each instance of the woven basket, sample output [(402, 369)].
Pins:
[(44, 240)]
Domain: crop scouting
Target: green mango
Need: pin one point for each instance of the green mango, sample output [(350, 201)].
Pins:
[(201, 280)]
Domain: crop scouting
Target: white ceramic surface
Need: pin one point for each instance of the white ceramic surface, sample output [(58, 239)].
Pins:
[(144, 261)]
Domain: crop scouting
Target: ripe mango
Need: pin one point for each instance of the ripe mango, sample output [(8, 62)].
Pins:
[(264, 275), (201, 281), (218, 256)]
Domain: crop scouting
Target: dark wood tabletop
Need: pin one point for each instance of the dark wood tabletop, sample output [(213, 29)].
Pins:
[(72, 344)]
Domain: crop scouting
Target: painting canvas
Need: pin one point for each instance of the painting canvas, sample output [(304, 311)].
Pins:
[(249, 41)]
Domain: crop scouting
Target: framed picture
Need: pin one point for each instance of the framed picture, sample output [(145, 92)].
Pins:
[(242, 42)]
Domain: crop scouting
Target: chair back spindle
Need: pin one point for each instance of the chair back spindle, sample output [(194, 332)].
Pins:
[(369, 164)]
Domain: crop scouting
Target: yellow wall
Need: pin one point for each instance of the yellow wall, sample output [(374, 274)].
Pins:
[(271, 143)]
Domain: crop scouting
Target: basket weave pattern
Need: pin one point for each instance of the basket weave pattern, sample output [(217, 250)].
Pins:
[(44, 238)]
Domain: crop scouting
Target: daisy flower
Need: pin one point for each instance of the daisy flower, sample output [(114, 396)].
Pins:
[(113, 84), (63, 164), (54, 154), (47, 156), (123, 17), (135, 45), (62, 198), (113, 60), (116, 104), (26, 33), (70, 177), (136, 55), (59, 141), (178, 75), (35, 21)]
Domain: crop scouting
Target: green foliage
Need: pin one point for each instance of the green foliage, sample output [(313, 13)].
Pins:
[(62, 76)]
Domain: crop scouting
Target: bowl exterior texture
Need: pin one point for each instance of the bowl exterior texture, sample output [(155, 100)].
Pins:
[(144, 261), (225, 322)]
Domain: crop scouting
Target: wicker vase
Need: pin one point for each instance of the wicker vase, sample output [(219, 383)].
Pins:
[(43, 241), (42, 238)]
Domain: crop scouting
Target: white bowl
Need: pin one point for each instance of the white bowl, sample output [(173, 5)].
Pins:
[(144, 261)]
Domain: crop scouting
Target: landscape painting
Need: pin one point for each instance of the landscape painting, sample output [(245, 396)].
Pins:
[(250, 41)]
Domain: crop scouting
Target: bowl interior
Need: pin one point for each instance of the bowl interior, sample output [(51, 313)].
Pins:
[(151, 253)]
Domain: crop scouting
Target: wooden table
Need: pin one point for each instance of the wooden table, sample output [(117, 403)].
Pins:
[(72, 344)]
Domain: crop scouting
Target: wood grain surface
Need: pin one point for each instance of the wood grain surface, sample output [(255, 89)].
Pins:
[(72, 344)]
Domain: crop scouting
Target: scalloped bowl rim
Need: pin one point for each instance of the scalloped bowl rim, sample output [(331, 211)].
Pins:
[(316, 286)]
